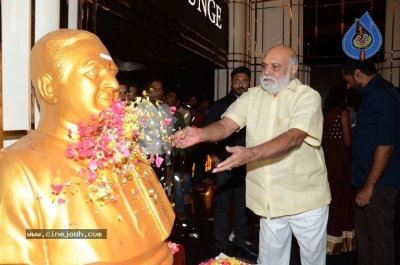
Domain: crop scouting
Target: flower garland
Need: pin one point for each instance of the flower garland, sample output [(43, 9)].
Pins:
[(108, 146)]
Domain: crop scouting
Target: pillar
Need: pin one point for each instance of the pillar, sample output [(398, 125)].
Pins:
[(390, 67)]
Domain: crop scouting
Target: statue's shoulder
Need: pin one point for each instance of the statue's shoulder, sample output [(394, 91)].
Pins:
[(30, 153)]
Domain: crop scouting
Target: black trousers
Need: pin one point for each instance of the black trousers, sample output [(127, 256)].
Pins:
[(374, 228), (228, 183)]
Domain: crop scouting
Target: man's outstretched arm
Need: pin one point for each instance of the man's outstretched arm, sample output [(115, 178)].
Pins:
[(276, 147), (214, 132)]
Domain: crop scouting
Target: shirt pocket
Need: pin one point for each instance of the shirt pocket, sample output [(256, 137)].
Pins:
[(282, 126)]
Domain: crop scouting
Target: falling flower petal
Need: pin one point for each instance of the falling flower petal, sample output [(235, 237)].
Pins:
[(92, 176), (159, 161), (168, 121), (172, 110), (69, 153), (173, 247), (107, 146), (56, 188), (60, 201), (127, 153), (92, 165)]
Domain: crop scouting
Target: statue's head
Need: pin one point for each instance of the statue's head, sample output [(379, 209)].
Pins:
[(73, 74)]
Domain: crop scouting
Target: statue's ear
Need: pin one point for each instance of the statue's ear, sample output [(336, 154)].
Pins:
[(46, 89)]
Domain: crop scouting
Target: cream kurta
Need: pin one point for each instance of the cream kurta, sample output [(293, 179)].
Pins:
[(137, 225), (297, 181)]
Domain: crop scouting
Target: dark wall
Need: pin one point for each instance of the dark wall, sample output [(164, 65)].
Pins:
[(322, 78), (201, 86)]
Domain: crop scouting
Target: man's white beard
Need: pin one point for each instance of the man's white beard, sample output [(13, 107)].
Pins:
[(276, 86)]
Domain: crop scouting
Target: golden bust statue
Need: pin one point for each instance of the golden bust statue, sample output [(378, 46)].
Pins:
[(74, 78)]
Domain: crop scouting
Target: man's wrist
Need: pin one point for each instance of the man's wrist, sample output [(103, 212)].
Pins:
[(253, 155), (198, 131)]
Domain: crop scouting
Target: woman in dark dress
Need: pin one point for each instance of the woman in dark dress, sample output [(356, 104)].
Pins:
[(336, 142)]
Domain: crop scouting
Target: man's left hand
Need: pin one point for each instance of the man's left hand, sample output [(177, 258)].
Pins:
[(364, 195), (240, 155)]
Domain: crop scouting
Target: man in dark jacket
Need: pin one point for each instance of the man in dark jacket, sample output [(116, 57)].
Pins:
[(375, 168), (232, 180)]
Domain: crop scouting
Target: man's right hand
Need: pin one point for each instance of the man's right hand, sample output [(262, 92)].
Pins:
[(187, 137)]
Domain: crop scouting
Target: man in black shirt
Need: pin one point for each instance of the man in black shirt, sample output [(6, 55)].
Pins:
[(232, 180)]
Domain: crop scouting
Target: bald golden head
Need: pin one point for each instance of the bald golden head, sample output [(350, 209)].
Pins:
[(73, 74), (50, 54)]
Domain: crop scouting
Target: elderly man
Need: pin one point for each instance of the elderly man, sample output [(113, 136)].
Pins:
[(74, 78), (286, 181)]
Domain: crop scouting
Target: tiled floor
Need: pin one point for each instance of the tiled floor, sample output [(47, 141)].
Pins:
[(196, 233)]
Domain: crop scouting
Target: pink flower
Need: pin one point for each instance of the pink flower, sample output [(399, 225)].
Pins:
[(92, 154), (117, 106), (88, 144), (168, 121), (92, 176), (172, 110), (82, 131), (69, 153), (56, 188), (127, 153), (107, 143), (173, 247), (159, 161), (79, 145), (82, 154), (60, 201), (106, 139), (152, 158), (92, 165)]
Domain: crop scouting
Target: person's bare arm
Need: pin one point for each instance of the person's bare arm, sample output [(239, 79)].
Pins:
[(346, 127), (276, 147), (214, 132), (381, 159)]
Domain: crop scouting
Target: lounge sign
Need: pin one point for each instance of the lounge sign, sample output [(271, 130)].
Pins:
[(210, 10)]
